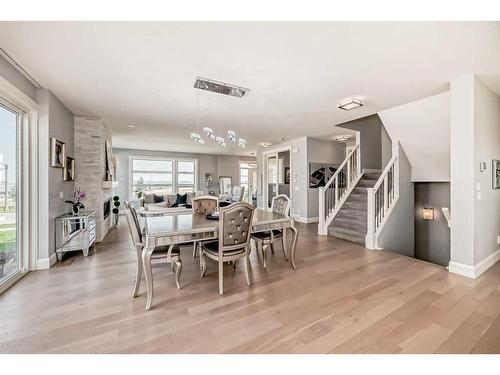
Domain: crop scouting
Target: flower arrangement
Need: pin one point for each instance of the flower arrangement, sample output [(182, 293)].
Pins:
[(77, 196), (139, 189)]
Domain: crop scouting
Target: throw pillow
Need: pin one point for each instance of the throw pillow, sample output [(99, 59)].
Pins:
[(158, 198), (181, 199), (148, 198)]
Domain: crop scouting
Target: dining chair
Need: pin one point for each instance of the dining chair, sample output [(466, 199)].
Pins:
[(238, 193), (202, 206), (235, 226), (161, 254), (280, 205)]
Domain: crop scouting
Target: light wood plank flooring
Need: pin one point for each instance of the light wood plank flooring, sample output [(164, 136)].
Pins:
[(343, 298)]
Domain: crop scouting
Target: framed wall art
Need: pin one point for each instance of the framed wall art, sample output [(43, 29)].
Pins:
[(57, 153)]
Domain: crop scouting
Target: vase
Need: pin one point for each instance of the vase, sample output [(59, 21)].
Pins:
[(76, 209)]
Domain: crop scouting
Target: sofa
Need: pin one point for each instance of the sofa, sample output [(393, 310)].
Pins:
[(150, 202)]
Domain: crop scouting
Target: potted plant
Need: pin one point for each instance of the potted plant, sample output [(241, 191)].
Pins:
[(116, 211), (76, 204)]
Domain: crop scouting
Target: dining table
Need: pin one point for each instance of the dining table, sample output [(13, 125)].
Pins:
[(179, 228)]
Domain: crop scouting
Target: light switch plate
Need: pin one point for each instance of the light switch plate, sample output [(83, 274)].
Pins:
[(61, 195), (482, 166)]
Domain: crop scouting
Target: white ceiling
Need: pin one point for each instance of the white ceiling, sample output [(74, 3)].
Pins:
[(142, 73)]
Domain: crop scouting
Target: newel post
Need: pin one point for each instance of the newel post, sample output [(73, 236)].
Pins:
[(321, 212), (370, 234)]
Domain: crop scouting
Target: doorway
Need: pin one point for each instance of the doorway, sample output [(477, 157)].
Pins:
[(277, 174), (248, 181)]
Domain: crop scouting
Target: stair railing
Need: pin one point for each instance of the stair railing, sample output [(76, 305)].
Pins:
[(381, 199), (333, 195)]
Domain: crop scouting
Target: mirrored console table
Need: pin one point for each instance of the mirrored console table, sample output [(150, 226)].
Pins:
[(75, 232)]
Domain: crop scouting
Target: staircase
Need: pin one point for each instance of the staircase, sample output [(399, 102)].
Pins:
[(350, 223)]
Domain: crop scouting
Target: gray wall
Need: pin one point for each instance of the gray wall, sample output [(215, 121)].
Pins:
[(12, 75), (217, 165), (397, 235), (60, 123), (370, 129), (321, 151), (432, 238)]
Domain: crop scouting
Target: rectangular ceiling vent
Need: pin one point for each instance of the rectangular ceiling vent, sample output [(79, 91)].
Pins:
[(220, 87)]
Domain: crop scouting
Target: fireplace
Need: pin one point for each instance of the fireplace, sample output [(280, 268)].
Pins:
[(106, 208)]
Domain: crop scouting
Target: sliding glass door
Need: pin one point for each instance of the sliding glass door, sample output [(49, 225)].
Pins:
[(10, 249)]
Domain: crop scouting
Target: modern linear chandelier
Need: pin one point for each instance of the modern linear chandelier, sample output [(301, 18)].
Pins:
[(220, 88)]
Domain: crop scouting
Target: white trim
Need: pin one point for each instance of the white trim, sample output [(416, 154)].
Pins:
[(46, 263), (265, 156), (306, 220), (474, 272), (34, 189)]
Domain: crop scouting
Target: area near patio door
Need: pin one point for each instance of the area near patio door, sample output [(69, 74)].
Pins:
[(9, 244)]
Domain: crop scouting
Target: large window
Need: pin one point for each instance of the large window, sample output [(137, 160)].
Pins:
[(163, 176), (10, 250)]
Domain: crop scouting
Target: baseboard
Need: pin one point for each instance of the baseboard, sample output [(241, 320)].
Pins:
[(474, 272), (46, 263), (306, 220), (486, 263), (461, 269)]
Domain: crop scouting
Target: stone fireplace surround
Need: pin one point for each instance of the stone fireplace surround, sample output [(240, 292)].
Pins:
[(91, 134)]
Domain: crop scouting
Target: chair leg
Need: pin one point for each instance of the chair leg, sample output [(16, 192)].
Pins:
[(203, 263), (221, 277), (234, 264), (284, 248), (247, 268), (264, 254), (138, 273), (178, 270), (195, 247), (272, 247)]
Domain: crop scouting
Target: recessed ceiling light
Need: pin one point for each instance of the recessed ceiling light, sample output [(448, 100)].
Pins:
[(131, 126), (350, 104), (342, 138), (281, 139), (265, 144)]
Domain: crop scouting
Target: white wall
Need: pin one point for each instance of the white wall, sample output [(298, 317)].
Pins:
[(423, 129), (486, 148), (475, 206), (397, 234)]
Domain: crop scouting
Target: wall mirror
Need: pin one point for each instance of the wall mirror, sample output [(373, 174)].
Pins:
[(225, 185)]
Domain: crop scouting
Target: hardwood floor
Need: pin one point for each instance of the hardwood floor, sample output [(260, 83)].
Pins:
[(342, 299)]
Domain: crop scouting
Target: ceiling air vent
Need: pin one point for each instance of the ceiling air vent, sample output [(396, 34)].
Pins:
[(220, 87)]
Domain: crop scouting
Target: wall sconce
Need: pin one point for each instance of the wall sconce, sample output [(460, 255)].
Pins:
[(428, 213)]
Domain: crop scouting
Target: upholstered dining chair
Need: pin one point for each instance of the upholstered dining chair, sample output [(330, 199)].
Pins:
[(202, 206), (238, 193), (162, 254), (235, 226), (280, 205)]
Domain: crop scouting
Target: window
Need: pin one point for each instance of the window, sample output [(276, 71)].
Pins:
[(163, 176)]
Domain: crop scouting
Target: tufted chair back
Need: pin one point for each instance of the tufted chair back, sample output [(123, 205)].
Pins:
[(235, 225), (281, 205), (205, 205), (133, 223)]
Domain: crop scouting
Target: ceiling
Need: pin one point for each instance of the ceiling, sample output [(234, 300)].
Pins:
[(142, 73)]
